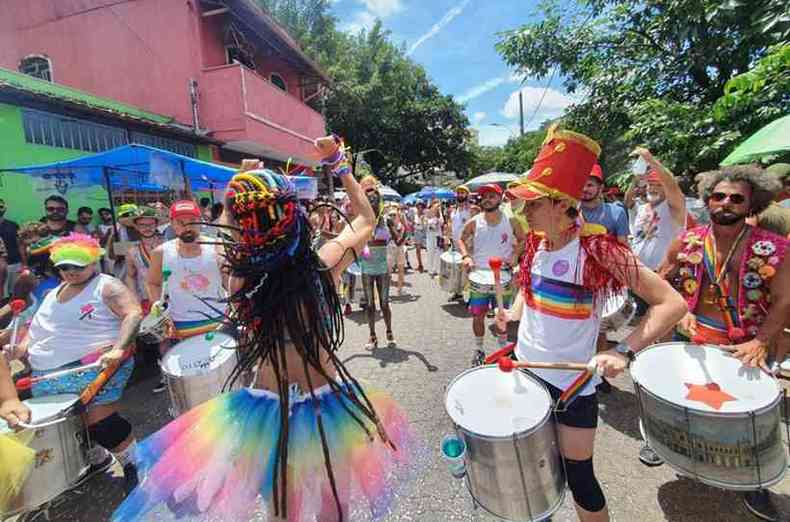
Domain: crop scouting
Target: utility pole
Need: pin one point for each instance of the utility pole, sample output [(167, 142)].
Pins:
[(521, 110)]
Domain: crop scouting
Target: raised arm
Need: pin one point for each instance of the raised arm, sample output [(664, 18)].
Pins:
[(675, 197)]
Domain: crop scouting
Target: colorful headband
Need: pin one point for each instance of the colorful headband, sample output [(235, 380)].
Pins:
[(75, 249)]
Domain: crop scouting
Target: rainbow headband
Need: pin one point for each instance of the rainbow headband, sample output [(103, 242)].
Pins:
[(75, 249)]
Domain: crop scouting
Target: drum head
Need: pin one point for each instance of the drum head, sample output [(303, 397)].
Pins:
[(491, 403), (702, 378), (198, 355), (45, 408), (453, 258)]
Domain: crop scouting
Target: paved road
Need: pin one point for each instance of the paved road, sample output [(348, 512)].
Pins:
[(434, 341)]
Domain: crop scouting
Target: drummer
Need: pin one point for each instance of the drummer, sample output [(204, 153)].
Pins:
[(89, 317), (458, 218), (733, 259), (488, 234), (566, 275)]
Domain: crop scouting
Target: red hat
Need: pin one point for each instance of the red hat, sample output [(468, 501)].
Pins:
[(597, 173), (562, 167), (184, 208), (653, 177), (491, 187)]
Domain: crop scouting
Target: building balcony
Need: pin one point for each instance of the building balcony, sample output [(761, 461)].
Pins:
[(253, 116)]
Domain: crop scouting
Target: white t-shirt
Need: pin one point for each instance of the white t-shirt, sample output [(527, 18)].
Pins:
[(560, 322), (492, 240), (653, 232), (192, 281), (459, 219), (63, 333)]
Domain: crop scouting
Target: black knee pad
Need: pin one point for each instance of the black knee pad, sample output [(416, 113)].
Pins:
[(584, 486), (110, 431)]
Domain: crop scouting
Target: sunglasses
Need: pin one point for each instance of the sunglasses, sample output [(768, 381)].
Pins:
[(71, 268), (56, 209), (735, 199)]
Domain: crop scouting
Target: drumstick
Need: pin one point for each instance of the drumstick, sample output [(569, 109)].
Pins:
[(502, 352), (17, 305), (507, 365), (25, 383)]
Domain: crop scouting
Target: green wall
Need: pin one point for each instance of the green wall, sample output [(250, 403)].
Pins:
[(23, 194)]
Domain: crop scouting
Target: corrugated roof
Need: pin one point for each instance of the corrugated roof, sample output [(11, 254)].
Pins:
[(29, 84)]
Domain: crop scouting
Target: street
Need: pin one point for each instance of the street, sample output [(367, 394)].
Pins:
[(434, 341)]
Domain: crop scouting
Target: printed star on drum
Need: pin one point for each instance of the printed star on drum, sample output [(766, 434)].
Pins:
[(709, 394)]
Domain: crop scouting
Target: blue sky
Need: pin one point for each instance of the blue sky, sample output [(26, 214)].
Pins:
[(454, 40)]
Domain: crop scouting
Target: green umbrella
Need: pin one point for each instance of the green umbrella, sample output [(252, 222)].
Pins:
[(774, 138)]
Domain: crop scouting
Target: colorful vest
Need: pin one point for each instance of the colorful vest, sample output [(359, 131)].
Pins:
[(763, 255)]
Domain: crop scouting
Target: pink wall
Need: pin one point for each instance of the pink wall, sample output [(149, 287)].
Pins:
[(142, 52)]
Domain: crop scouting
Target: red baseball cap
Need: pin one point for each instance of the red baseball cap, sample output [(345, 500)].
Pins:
[(184, 208), (597, 173), (653, 177), (491, 187)]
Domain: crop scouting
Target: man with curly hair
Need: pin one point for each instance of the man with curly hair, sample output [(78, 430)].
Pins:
[(730, 274)]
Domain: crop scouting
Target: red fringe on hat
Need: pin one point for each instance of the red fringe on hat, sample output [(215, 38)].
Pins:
[(605, 257)]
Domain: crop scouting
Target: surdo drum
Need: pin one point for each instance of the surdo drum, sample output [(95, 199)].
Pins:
[(513, 465), (197, 368), (60, 444), (709, 417), (451, 272)]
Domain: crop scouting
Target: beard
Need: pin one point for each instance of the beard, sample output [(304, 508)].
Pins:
[(654, 198), (188, 236), (461, 201), (57, 216), (726, 217), (491, 208)]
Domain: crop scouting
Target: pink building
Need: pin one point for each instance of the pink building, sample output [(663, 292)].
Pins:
[(223, 67)]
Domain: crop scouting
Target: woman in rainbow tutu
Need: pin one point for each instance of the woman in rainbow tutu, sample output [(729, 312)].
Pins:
[(307, 442)]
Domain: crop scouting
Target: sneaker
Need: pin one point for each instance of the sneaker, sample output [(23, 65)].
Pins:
[(604, 387), (759, 504), (478, 359), (162, 386), (96, 469), (347, 310), (649, 457), (130, 479)]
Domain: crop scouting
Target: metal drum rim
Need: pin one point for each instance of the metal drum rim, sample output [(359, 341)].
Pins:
[(480, 436), (48, 418), (691, 408)]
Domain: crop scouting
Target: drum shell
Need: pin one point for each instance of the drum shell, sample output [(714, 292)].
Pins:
[(451, 273), (613, 321), (60, 446), (188, 391), (516, 478), (710, 459), (488, 287)]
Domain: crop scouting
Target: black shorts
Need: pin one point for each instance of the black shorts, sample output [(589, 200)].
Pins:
[(583, 411)]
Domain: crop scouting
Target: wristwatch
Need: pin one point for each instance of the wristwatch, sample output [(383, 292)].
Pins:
[(623, 349)]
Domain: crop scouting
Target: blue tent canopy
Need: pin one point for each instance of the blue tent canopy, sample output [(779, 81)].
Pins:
[(440, 193), (137, 167)]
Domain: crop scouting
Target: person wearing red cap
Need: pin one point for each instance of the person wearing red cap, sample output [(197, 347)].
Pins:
[(195, 288), (567, 273), (595, 210), (489, 234)]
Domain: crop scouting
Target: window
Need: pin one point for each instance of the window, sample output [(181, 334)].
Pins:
[(37, 66), (55, 130), (236, 55), (278, 82)]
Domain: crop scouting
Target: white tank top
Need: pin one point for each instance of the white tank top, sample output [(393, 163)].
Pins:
[(459, 219), (492, 240), (560, 322), (62, 333), (654, 230), (193, 280)]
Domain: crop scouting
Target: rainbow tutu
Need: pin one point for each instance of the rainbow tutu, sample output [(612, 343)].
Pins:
[(217, 461)]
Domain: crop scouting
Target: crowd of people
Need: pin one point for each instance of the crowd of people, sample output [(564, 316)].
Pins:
[(280, 274)]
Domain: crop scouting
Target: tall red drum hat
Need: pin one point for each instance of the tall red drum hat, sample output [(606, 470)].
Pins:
[(561, 169)]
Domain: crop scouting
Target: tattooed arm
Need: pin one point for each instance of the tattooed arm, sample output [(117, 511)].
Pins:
[(123, 303)]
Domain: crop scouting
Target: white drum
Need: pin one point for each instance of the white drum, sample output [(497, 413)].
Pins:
[(482, 280), (618, 311), (709, 417), (512, 457), (197, 369), (60, 444)]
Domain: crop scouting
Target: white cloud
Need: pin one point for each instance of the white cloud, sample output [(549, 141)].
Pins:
[(478, 117), (448, 17), (480, 89), (361, 20), (382, 8), (553, 104), (374, 10), (494, 136)]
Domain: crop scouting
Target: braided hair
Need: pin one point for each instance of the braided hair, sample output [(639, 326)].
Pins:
[(287, 301)]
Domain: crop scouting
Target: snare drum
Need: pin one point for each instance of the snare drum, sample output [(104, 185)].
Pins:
[(60, 443), (481, 280), (451, 272), (512, 456), (197, 368), (618, 311), (709, 417)]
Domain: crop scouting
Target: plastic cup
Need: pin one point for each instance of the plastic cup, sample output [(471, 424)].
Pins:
[(454, 451)]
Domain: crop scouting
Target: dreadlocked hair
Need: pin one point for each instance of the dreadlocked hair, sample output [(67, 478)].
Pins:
[(288, 301)]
